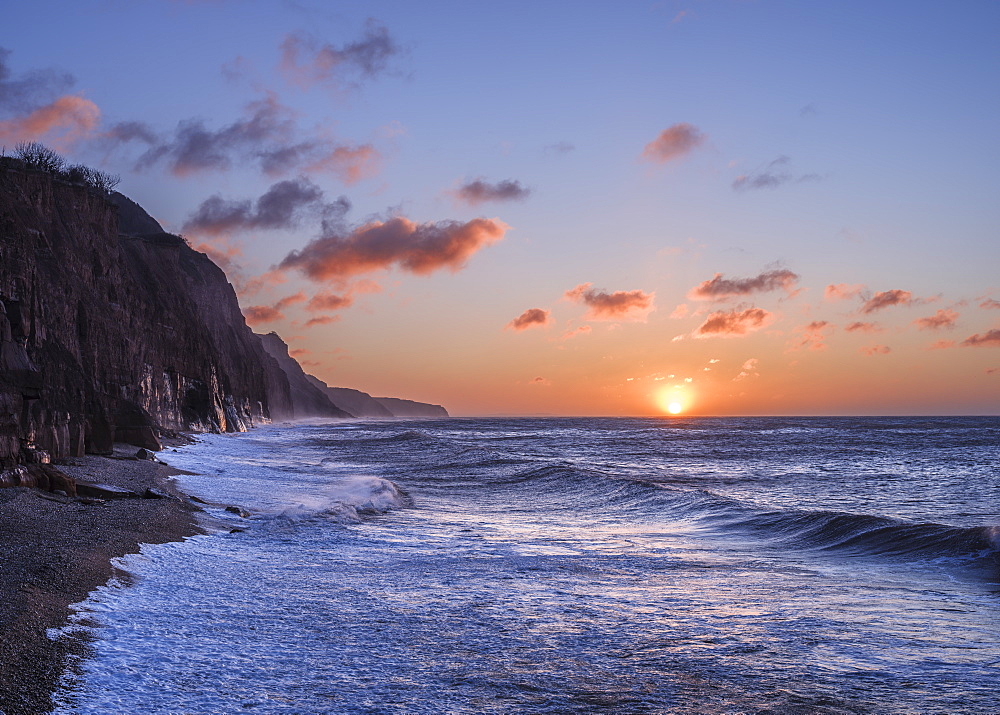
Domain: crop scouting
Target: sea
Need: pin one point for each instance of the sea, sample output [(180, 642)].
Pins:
[(566, 565)]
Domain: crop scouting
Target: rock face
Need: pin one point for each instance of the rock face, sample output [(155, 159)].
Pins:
[(358, 403), (409, 408), (307, 399), (109, 337)]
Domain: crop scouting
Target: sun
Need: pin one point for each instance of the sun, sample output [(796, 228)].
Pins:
[(675, 408)]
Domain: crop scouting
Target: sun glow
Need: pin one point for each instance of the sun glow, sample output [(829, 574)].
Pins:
[(672, 400)]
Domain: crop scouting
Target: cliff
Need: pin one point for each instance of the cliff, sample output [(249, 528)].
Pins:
[(307, 399), (358, 403), (409, 408), (111, 336)]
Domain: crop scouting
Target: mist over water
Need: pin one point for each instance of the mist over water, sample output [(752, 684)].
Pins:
[(569, 565)]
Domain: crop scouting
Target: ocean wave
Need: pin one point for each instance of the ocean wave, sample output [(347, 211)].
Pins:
[(860, 534), (348, 501)]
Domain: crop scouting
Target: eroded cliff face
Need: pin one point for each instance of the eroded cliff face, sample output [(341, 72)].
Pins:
[(307, 399), (107, 337)]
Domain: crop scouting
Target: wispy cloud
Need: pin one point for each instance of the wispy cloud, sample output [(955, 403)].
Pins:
[(719, 288), (842, 291), (813, 336), (306, 61), (533, 317), (415, 248), (748, 370), (886, 299), (943, 318), (859, 327), (673, 143), (734, 323), (990, 338), (479, 191), (771, 176), (876, 350), (60, 123), (619, 305)]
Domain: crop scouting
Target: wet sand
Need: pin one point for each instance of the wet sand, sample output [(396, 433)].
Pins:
[(55, 550)]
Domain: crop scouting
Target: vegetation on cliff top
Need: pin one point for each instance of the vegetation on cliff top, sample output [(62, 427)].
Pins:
[(37, 156)]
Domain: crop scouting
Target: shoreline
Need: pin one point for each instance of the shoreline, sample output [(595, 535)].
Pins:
[(57, 550)]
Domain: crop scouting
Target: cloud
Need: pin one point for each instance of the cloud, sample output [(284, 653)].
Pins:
[(34, 89), (749, 369), (195, 148), (990, 338), (679, 312), (814, 336), (540, 381), (941, 345), (322, 320), (305, 61), (885, 299), (770, 177), (842, 291), (416, 248), (863, 328), (570, 334), (350, 164), (60, 123), (476, 192), (620, 305), (673, 143), (558, 148), (257, 314), (943, 318), (733, 323), (281, 206), (330, 301), (990, 304), (876, 350), (719, 288), (530, 318)]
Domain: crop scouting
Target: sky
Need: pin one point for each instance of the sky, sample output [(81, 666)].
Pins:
[(735, 207)]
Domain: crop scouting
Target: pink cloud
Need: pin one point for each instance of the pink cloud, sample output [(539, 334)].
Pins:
[(941, 345), (733, 323), (990, 338), (719, 288), (570, 334), (540, 381), (530, 318), (990, 304), (886, 299), (842, 291), (329, 301), (943, 318), (863, 328), (814, 336), (322, 320), (620, 305), (257, 314), (349, 164), (673, 143), (60, 123), (416, 248), (876, 350), (680, 311)]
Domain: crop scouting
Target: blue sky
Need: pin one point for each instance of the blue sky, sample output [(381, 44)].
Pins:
[(864, 133)]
